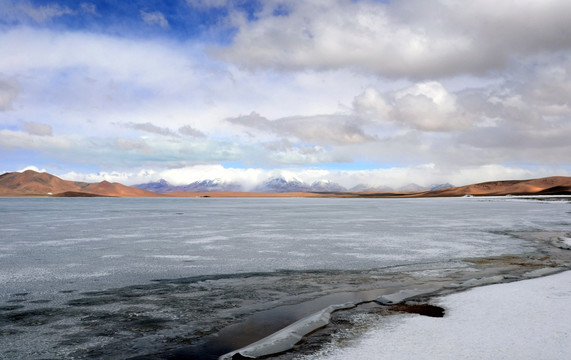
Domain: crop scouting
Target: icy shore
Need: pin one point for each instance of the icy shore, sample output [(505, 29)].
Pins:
[(528, 319)]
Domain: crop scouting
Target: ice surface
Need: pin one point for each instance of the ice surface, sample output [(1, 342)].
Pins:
[(483, 281), (137, 240), (529, 319), (402, 295), (541, 272)]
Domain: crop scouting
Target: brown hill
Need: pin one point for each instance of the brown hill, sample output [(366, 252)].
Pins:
[(555, 185), (32, 183)]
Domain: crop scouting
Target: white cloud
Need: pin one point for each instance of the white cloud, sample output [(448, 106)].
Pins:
[(155, 18), (409, 38), (41, 14), (31, 167)]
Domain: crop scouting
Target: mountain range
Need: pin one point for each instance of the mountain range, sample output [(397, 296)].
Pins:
[(32, 183), (278, 185)]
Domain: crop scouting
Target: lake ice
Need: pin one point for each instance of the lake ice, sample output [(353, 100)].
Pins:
[(55, 250)]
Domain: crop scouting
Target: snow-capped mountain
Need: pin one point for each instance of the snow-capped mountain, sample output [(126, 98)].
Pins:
[(211, 185), (162, 186), (326, 186), (279, 185)]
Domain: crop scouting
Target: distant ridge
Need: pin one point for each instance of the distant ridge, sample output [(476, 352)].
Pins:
[(32, 183), (215, 185), (271, 185), (554, 185)]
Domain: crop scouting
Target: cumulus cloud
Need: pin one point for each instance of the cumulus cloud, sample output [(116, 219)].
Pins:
[(409, 38), (155, 18), (34, 128), (425, 106)]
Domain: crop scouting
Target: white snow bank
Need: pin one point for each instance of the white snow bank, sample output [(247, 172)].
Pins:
[(528, 319)]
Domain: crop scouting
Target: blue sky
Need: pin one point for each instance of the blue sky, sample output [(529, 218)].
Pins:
[(382, 93)]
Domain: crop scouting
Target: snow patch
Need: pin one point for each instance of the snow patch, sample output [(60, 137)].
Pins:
[(520, 320)]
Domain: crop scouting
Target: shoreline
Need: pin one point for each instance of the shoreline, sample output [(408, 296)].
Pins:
[(310, 333), (526, 319)]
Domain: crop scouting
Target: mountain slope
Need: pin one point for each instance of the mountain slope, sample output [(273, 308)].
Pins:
[(32, 183), (546, 186)]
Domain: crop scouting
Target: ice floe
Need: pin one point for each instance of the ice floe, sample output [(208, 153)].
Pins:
[(402, 295), (287, 337)]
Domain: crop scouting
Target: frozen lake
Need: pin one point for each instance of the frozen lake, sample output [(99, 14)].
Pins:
[(56, 250)]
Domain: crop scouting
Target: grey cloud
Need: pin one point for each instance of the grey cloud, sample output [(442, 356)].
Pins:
[(34, 128), (190, 131), (9, 91), (322, 129), (436, 39), (151, 128)]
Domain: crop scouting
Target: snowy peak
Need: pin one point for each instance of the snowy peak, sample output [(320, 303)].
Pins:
[(280, 185), (212, 185), (326, 186), (160, 186)]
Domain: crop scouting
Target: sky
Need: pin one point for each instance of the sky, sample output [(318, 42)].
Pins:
[(352, 91)]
